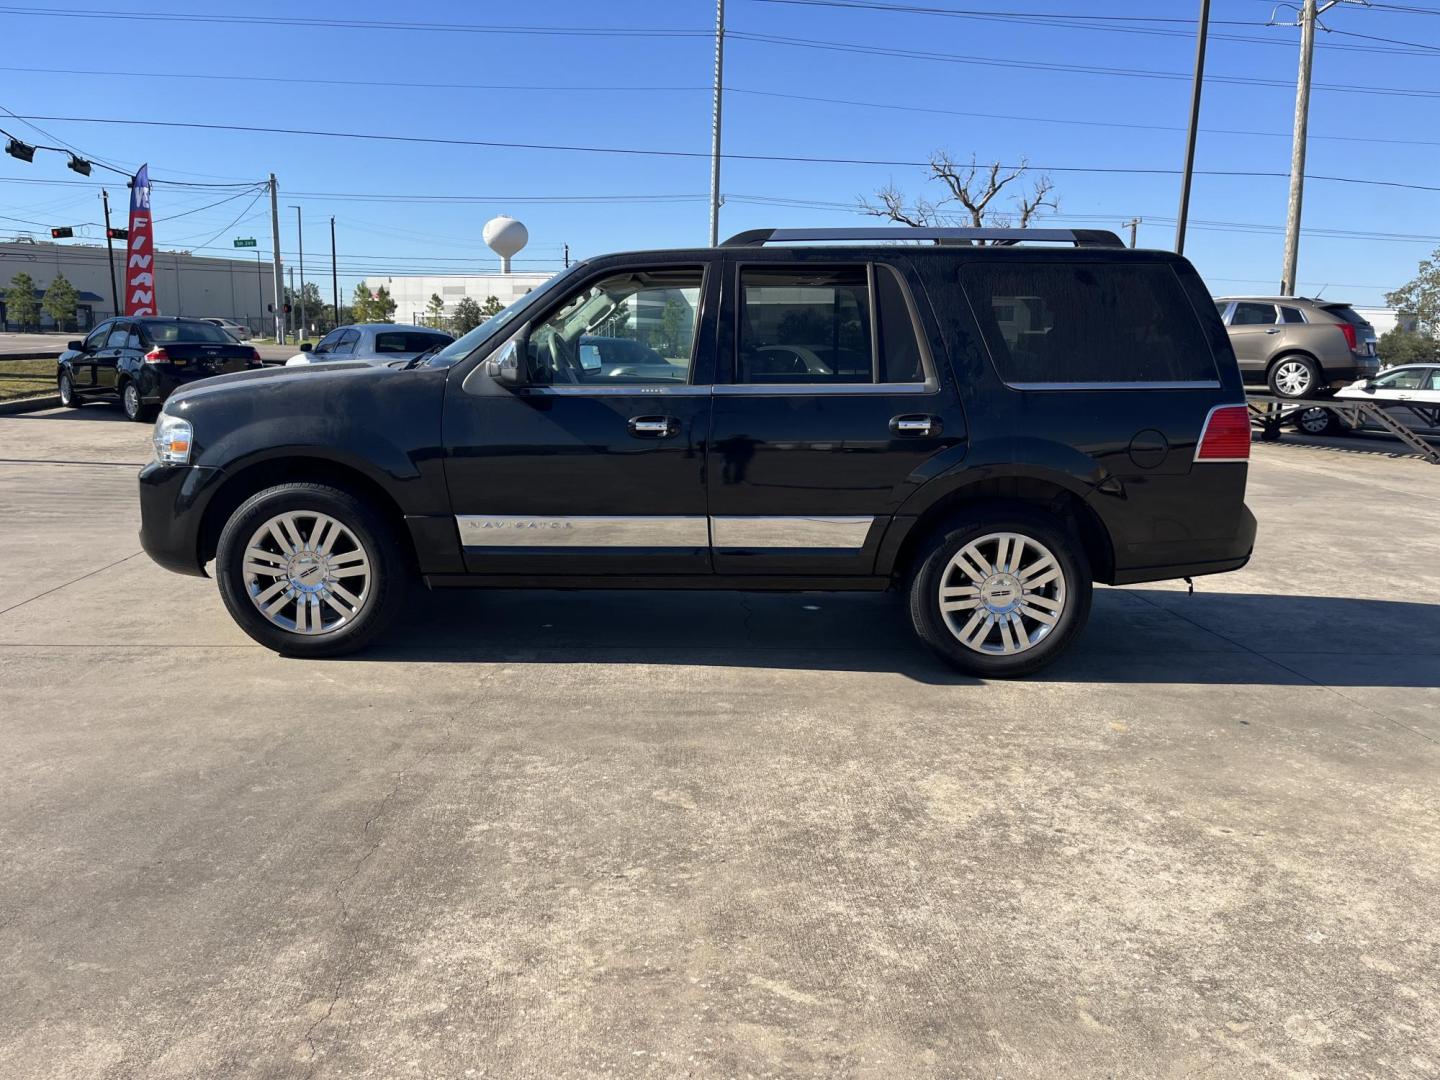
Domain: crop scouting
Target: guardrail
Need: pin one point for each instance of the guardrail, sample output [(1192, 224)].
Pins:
[(1268, 413)]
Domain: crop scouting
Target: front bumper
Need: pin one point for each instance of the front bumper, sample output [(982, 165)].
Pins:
[(172, 512)]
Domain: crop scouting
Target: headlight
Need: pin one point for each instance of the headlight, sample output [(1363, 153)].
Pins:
[(172, 439)]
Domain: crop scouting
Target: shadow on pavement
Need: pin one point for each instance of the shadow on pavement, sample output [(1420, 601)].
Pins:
[(1134, 635), (99, 410)]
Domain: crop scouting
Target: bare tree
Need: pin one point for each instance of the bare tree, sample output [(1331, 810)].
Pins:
[(970, 191)]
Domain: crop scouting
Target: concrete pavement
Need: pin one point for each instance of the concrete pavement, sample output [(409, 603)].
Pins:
[(663, 835)]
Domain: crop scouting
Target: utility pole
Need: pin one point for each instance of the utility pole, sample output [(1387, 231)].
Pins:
[(1134, 226), (289, 320), (259, 292), (275, 241), (715, 132), (300, 233), (1309, 15), (110, 243), (1201, 34), (334, 274)]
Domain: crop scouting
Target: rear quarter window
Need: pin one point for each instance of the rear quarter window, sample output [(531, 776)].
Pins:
[(1059, 323)]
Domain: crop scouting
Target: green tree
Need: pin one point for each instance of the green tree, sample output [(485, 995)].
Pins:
[(1408, 347), (59, 303), (436, 307), (674, 329), (382, 308), (20, 306), (466, 317), (1421, 295), (492, 306), (364, 303)]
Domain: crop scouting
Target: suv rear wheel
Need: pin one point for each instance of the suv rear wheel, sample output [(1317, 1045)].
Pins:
[(310, 570), (1294, 377), (1002, 595)]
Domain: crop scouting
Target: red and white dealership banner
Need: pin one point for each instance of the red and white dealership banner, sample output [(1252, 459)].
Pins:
[(140, 257)]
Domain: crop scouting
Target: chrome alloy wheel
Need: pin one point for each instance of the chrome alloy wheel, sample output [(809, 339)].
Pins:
[(1002, 594), (307, 573), (1292, 378), (131, 400)]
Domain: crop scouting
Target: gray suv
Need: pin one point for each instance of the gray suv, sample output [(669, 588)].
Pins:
[(1297, 346)]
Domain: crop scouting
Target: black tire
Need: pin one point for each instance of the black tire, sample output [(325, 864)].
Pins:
[(1270, 432), (935, 564), (65, 387), (384, 591), (1294, 377), (1320, 421), (134, 408)]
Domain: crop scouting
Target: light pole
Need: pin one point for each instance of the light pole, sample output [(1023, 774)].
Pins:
[(1199, 84), (300, 234)]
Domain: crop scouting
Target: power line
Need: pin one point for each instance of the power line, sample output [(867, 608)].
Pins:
[(692, 154), (1071, 21), (350, 24), (1042, 65)]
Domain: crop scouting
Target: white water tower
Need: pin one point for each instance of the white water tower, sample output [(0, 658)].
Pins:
[(506, 237)]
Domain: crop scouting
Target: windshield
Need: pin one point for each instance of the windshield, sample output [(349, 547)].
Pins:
[(462, 347)]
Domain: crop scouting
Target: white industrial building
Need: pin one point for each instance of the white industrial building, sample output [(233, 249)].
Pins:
[(412, 294), (185, 284)]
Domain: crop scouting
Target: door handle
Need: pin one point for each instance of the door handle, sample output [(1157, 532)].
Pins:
[(1273, 330), (915, 426), (653, 427)]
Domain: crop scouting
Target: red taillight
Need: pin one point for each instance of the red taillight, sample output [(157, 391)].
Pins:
[(157, 355), (255, 360), (1350, 339), (1226, 436)]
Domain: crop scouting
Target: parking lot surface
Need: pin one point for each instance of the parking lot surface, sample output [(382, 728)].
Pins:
[(721, 835)]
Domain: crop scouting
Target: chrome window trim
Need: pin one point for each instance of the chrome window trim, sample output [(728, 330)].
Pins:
[(819, 389), (781, 533), (629, 390), (590, 531), (1197, 384)]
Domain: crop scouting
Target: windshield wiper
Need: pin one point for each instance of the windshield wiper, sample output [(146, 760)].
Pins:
[(421, 356)]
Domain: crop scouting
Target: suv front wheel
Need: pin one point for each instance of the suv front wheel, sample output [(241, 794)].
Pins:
[(309, 570), (1002, 595)]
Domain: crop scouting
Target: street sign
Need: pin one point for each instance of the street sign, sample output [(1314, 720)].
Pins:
[(244, 243)]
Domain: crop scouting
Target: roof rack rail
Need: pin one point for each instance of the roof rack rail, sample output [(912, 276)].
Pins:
[(1004, 237)]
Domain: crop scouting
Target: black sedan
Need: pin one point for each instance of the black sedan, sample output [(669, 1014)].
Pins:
[(141, 362)]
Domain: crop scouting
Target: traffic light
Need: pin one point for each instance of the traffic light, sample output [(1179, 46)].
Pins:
[(287, 309), (79, 164), (17, 149), (61, 233), (117, 234)]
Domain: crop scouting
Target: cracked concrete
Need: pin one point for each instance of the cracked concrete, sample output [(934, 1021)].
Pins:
[(537, 835)]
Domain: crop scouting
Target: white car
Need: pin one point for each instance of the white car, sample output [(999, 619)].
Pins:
[(234, 329), (1411, 392), (375, 343)]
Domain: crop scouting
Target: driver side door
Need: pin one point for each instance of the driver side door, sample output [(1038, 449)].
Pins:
[(594, 465)]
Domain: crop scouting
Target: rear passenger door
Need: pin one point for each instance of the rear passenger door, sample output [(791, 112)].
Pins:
[(829, 409), (1253, 330)]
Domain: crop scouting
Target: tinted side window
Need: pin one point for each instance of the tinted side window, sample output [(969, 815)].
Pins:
[(328, 341), (805, 326), (119, 333), (1253, 315), (1067, 322), (901, 341), (631, 328), (96, 338), (345, 344), (1291, 315)]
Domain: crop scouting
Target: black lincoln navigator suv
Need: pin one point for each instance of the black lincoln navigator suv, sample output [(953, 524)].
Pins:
[(987, 421)]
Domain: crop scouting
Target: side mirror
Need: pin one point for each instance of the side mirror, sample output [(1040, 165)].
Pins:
[(76, 346), (305, 346), (504, 366)]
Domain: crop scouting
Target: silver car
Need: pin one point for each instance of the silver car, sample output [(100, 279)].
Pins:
[(377, 343)]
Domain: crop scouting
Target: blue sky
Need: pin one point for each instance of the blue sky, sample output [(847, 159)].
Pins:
[(1006, 101)]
